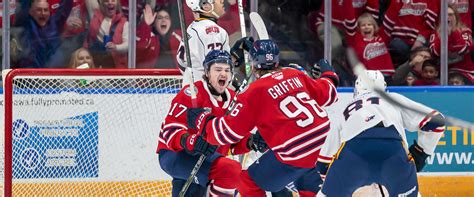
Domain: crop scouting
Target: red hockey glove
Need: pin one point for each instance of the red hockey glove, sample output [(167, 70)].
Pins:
[(197, 117), (195, 144)]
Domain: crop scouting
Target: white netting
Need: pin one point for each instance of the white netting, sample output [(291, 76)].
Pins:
[(89, 135)]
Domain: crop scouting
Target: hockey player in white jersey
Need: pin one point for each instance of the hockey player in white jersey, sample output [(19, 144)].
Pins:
[(369, 144), (204, 35)]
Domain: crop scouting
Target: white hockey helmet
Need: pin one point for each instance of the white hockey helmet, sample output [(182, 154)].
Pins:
[(195, 5), (377, 78)]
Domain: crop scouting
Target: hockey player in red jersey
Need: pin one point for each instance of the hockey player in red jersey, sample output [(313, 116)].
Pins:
[(285, 106), (179, 147)]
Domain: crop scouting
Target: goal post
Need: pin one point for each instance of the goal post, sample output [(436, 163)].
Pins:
[(85, 131)]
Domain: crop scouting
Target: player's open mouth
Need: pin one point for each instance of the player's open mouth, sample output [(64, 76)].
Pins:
[(163, 26), (367, 32)]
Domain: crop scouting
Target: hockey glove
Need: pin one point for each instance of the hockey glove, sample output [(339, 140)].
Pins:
[(256, 143), (195, 117), (320, 67), (418, 155), (318, 70), (195, 144), (237, 51), (322, 169)]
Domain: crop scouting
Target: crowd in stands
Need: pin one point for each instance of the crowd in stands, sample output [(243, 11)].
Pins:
[(399, 37), (46, 33), (402, 39)]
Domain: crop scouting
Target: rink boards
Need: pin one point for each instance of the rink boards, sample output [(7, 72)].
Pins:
[(449, 172)]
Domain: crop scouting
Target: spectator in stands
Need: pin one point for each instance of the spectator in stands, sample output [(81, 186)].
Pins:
[(75, 31), (12, 10), (458, 79), (40, 38), (429, 74), (410, 79), (413, 66), (464, 8), (108, 36), (345, 13), (408, 24), (80, 57), (148, 46), (230, 20), (124, 7), (169, 39), (370, 46), (459, 43)]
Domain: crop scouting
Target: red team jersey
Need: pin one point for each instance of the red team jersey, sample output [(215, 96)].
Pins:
[(408, 19), (459, 43), (346, 12), (285, 107), (373, 53), (175, 124), (464, 7)]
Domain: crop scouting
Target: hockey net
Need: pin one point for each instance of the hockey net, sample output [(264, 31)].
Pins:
[(85, 132)]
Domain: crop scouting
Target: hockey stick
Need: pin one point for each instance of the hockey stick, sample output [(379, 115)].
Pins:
[(243, 31), (192, 91), (359, 70), (259, 26), (182, 24)]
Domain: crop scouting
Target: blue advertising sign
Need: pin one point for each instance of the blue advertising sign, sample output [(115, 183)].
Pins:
[(454, 152), (66, 148)]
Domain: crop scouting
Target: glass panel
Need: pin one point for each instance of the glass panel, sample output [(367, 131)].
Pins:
[(57, 34)]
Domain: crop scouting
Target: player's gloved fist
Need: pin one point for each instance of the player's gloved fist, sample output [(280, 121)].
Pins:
[(256, 143), (418, 155), (319, 70), (195, 117), (320, 67), (195, 144), (237, 51)]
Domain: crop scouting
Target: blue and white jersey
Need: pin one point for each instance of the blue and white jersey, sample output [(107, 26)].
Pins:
[(367, 110), (204, 35)]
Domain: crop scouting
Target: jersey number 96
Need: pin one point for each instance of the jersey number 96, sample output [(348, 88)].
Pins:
[(302, 104)]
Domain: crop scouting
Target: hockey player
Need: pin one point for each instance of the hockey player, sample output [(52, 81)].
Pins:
[(204, 35), (179, 147), (369, 144), (284, 105)]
